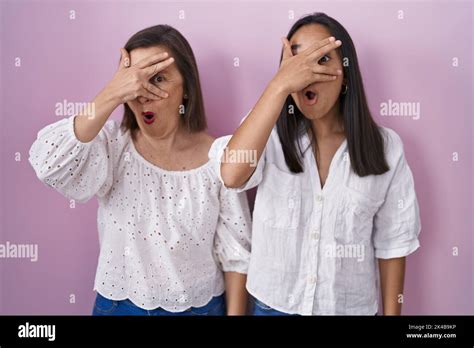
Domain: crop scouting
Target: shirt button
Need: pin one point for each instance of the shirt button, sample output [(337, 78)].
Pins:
[(315, 235), (312, 280), (319, 198), (291, 203)]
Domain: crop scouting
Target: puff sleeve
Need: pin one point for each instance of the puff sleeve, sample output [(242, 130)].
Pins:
[(77, 170)]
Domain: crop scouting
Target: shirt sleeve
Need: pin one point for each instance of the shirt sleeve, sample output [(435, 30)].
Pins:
[(217, 151), (397, 223), (75, 169), (233, 234)]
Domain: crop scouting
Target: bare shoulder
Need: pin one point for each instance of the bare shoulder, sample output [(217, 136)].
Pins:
[(202, 141), (207, 140), (198, 145)]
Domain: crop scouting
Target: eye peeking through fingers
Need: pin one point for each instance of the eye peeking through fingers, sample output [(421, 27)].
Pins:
[(324, 59), (157, 79)]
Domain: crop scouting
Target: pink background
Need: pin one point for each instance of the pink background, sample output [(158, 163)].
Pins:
[(406, 60)]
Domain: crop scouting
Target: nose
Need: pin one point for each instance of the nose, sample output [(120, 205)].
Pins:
[(143, 100)]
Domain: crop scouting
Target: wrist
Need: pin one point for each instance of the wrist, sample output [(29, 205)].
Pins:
[(277, 88), (392, 309), (237, 310), (107, 99)]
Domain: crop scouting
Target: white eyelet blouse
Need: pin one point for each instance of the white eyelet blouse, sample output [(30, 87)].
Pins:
[(165, 236), (314, 249)]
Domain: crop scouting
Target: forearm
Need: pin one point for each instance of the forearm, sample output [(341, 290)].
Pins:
[(392, 276), (87, 126), (236, 294), (253, 134)]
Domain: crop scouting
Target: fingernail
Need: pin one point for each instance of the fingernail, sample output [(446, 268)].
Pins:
[(339, 71), (332, 38), (171, 59), (338, 42)]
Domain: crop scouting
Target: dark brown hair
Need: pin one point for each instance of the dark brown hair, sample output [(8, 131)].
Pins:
[(364, 138), (194, 116)]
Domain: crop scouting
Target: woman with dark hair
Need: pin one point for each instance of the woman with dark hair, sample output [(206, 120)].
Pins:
[(335, 193), (172, 238)]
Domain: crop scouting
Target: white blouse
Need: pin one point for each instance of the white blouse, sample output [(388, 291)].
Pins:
[(165, 236), (314, 249)]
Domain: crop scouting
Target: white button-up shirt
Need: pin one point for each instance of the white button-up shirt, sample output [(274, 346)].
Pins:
[(314, 249)]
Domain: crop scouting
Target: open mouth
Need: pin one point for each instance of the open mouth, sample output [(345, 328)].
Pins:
[(310, 98), (148, 117)]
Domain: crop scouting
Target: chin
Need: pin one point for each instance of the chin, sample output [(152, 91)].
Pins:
[(312, 112), (313, 115)]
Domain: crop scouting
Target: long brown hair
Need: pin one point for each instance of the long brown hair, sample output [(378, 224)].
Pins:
[(194, 116)]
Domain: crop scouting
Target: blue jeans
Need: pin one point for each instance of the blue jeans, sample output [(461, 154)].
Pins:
[(103, 306), (260, 308)]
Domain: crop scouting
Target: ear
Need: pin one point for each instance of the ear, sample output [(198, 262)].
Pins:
[(124, 59)]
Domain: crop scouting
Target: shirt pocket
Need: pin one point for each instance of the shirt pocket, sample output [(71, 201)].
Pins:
[(216, 306), (278, 201), (104, 305), (355, 216)]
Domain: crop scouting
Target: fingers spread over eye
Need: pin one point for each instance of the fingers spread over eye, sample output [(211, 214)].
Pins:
[(156, 68), (318, 44), (155, 90), (321, 69), (153, 59), (320, 52), (145, 93), (323, 77)]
